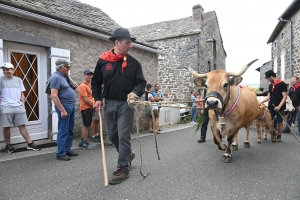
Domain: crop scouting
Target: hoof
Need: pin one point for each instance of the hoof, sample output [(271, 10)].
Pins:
[(227, 159), (265, 139), (273, 141), (246, 144), (234, 147), (258, 141)]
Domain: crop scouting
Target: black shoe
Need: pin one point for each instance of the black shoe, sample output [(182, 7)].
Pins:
[(33, 147), (72, 153), (9, 148), (278, 139), (64, 158), (285, 131), (118, 176), (201, 140), (96, 139)]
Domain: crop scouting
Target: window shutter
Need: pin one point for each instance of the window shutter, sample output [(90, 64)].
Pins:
[(56, 53)]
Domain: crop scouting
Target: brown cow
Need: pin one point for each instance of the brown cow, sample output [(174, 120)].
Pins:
[(264, 120), (230, 106)]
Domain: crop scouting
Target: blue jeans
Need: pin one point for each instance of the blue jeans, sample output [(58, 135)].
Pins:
[(205, 120), (65, 130), (291, 117), (118, 118), (194, 114)]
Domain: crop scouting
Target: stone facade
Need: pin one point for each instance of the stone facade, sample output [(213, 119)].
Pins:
[(280, 40), (264, 83), (188, 42), (85, 51)]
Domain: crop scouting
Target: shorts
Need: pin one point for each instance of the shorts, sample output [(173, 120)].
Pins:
[(273, 113), (156, 113), (88, 115), (13, 119), (13, 116)]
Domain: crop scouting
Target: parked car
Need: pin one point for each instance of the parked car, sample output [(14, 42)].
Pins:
[(184, 111)]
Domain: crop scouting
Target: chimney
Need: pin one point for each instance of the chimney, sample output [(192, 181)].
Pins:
[(198, 18)]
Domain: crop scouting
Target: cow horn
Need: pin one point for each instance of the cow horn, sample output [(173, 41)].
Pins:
[(195, 74), (242, 71)]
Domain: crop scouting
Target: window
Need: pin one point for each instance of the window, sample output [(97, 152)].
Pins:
[(275, 65), (208, 66)]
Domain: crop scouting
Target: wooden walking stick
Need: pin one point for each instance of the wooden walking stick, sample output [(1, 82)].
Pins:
[(103, 152)]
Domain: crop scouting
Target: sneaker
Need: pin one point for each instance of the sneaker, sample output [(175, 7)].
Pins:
[(80, 143), (293, 124), (278, 139), (285, 131), (118, 176), (9, 148), (132, 156), (111, 145), (64, 158), (86, 145), (96, 139), (201, 140), (72, 153), (33, 147)]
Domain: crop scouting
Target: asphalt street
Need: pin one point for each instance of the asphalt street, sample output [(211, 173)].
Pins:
[(186, 170)]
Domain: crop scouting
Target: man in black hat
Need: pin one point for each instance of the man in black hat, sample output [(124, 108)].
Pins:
[(123, 81), (277, 95)]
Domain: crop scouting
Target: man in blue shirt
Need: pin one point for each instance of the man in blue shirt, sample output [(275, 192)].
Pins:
[(64, 98)]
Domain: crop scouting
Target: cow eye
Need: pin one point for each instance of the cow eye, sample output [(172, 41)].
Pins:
[(225, 85)]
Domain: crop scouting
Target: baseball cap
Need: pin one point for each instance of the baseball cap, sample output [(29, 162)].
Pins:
[(7, 65), (87, 71), (62, 61)]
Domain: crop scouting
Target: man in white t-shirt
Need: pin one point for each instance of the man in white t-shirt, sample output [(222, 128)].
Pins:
[(12, 109)]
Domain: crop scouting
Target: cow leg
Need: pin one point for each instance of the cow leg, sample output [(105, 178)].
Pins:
[(228, 153), (265, 133), (247, 141), (235, 144), (258, 130)]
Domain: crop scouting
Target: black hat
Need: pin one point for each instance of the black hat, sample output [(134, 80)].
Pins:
[(270, 73), (87, 71), (121, 33)]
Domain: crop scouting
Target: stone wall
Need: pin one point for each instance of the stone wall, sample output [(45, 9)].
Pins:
[(282, 45), (264, 83), (193, 51), (85, 50)]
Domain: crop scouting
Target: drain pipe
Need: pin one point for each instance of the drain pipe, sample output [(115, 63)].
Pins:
[(291, 45)]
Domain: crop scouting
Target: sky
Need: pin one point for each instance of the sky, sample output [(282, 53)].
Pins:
[(245, 25)]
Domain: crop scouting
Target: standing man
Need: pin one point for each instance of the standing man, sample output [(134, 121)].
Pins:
[(294, 94), (277, 95), (123, 81), (12, 110), (205, 119), (89, 116), (158, 96), (63, 96)]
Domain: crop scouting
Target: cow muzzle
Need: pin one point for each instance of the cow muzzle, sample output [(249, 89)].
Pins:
[(214, 101)]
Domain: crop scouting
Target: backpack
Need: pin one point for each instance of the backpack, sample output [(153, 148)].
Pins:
[(189, 100), (67, 77)]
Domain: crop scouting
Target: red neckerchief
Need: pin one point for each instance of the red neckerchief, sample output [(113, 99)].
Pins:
[(276, 83), (111, 57), (295, 87)]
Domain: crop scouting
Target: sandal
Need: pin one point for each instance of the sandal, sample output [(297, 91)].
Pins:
[(151, 132), (159, 129)]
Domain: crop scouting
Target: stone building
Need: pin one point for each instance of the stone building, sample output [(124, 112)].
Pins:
[(285, 40), (264, 83), (193, 41), (33, 34)]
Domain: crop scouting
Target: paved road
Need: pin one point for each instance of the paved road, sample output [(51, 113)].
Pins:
[(187, 170)]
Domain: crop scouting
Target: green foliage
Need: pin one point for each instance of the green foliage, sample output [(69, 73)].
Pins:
[(184, 120), (199, 121)]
